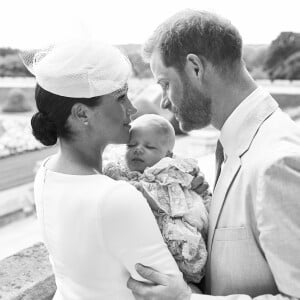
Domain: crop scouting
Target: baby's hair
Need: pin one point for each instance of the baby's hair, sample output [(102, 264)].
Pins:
[(162, 125)]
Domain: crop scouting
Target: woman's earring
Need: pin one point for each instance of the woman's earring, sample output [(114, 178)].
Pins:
[(86, 123)]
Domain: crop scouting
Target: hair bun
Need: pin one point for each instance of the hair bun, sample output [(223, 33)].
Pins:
[(44, 129)]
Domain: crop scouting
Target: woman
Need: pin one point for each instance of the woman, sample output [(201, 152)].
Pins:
[(95, 229)]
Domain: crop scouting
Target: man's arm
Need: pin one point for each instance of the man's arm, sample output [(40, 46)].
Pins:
[(169, 287)]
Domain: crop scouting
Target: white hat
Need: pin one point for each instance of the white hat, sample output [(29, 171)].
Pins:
[(81, 68)]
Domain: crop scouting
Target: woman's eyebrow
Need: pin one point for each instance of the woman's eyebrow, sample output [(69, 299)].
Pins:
[(121, 91)]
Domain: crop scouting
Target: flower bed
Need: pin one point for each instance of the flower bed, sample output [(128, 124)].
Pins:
[(16, 136)]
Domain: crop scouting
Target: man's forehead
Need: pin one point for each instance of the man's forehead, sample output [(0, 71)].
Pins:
[(158, 68)]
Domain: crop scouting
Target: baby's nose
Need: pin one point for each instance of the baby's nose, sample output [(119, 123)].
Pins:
[(138, 150)]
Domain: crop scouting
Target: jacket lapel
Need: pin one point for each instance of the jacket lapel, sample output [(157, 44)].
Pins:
[(230, 170), (251, 123)]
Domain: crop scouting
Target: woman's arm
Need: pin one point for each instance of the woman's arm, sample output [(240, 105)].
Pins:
[(131, 233)]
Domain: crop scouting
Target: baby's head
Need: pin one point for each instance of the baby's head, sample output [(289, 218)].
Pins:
[(152, 138)]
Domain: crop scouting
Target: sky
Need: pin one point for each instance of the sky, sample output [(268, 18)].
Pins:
[(27, 24)]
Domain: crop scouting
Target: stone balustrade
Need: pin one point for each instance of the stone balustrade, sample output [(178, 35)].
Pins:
[(27, 275)]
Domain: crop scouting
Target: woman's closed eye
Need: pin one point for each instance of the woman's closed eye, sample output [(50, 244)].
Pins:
[(131, 145), (122, 98)]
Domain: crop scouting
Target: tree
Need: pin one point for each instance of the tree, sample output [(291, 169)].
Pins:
[(280, 62), (139, 67), (292, 66), (8, 51), (11, 64)]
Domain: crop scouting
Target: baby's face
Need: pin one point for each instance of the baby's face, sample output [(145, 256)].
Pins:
[(145, 148)]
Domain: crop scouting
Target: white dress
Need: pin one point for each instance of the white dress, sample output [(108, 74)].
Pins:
[(96, 230)]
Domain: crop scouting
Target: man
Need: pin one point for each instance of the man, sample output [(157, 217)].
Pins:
[(254, 229)]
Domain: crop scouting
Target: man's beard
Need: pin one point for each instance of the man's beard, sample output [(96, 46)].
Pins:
[(194, 111)]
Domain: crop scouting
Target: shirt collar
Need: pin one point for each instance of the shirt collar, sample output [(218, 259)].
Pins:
[(246, 119)]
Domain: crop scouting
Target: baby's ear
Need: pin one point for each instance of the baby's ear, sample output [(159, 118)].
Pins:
[(169, 154)]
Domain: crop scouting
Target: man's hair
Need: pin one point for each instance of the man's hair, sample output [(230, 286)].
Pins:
[(197, 32)]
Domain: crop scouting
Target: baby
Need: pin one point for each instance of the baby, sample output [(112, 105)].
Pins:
[(165, 181)]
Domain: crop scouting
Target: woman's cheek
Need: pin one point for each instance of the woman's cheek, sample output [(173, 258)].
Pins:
[(127, 155)]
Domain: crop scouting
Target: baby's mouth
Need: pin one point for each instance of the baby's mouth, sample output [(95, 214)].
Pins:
[(137, 159)]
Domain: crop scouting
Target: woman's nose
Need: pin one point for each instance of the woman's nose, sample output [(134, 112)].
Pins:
[(131, 110)]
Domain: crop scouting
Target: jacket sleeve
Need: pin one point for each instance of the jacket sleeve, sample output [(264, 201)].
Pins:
[(278, 221)]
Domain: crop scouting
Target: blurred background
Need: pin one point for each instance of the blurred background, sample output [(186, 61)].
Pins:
[(271, 51)]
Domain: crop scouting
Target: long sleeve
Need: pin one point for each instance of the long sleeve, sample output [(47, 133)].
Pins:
[(278, 222), (131, 233)]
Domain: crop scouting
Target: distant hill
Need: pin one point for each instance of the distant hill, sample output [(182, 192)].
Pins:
[(254, 57), (11, 65)]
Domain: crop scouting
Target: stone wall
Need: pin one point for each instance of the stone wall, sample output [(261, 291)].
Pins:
[(27, 275)]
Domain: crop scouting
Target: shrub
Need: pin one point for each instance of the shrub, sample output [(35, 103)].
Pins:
[(259, 73), (16, 102), (282, 61)]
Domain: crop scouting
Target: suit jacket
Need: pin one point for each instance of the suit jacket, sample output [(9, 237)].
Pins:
[(254, 229)]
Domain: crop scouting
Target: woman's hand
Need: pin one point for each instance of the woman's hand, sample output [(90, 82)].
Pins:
[(164, 287)]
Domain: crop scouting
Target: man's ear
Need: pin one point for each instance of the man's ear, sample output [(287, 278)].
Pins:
[(80, 113), (195, 65)]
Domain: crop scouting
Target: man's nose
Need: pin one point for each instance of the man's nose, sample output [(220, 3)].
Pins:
[(165, 103)]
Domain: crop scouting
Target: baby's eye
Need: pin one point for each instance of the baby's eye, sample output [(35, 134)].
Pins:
[(150, 147)]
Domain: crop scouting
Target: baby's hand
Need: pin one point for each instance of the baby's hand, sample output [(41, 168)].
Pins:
[(199, 185), (195, 171)]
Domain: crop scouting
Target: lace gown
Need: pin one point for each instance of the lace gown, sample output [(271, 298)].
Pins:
[(181, 214)]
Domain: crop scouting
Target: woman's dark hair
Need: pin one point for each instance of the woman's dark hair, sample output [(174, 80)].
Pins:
[(49, 122)]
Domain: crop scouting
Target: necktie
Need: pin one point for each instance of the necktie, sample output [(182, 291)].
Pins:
[(219, 160)]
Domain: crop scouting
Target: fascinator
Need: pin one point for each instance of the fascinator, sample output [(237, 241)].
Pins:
[(79, 68)]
